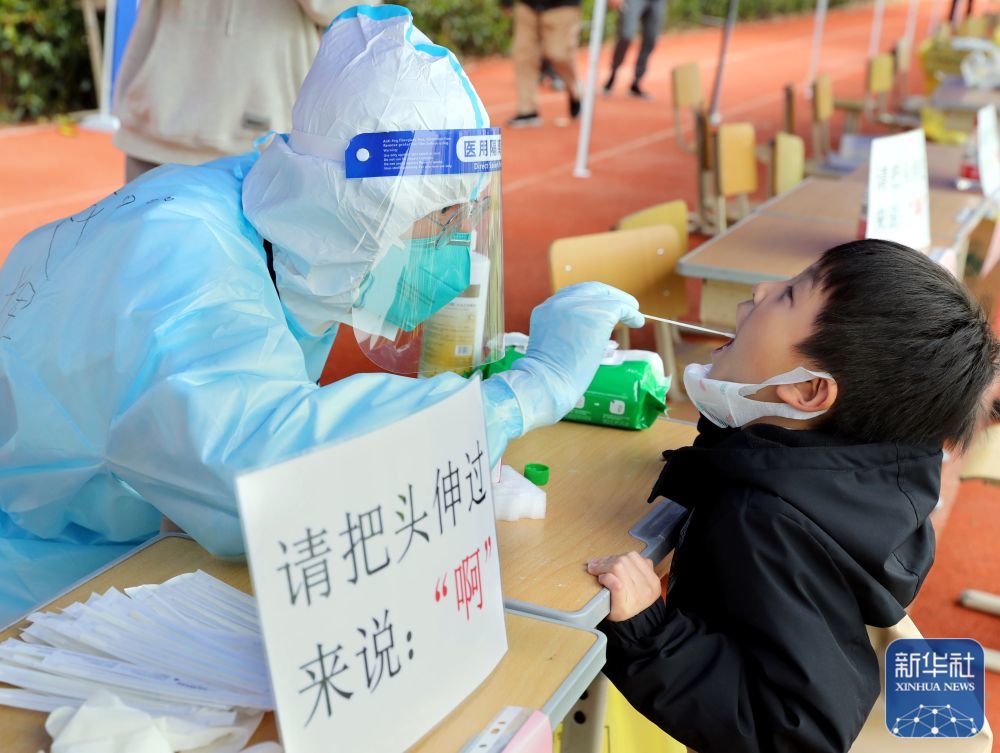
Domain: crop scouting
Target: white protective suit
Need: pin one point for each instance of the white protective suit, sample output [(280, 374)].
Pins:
[(146, 358)]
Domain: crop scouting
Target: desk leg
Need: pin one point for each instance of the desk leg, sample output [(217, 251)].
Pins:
[(706, 201), (583, 727)]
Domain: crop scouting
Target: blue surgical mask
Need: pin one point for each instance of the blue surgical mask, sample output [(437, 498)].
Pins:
[(416, 279)]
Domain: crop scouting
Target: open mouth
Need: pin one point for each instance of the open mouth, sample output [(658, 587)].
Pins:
[(723, 347)]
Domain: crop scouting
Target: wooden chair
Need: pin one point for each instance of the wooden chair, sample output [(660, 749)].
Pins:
[(688, 95), (705, 166), (878, 87), (641, 261), (673, 213), (974, 26), (765, 152), (902, 56), (822, 114), (788, 161), (827, 162), (736, 169)]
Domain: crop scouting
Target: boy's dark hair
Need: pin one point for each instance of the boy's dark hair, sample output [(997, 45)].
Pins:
[(911, 350)]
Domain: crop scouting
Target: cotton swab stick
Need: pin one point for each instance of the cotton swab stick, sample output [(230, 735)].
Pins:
[(685, 325)]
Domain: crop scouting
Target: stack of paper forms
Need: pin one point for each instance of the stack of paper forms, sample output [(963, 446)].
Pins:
[(190, 647)]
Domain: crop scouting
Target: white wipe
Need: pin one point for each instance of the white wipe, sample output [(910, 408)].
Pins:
[(514, 497)]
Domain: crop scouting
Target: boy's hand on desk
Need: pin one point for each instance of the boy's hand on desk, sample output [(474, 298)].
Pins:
[(631, 580)]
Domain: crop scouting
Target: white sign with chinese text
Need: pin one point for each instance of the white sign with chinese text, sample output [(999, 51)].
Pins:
[(988, 150), (377, 577), (898, 195)]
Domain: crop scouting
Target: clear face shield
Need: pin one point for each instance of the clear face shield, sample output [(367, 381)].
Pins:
[(433, 300)]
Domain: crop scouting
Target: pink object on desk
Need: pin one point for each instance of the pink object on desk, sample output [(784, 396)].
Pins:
[(515, 729), (534, 736)]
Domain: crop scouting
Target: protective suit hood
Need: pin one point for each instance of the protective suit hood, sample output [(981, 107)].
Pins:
[(374, 72)]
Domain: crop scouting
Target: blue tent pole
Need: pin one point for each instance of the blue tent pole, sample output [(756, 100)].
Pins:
[(126, 12)]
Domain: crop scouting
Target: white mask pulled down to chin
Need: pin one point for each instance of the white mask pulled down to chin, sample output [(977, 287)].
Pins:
[(727, 403)]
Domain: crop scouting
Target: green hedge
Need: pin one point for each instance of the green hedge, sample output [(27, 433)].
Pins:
[(469, 27), (44, 63), (45, 70)]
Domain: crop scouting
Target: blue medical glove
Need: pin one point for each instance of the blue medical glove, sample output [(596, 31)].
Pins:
[(569, 334)]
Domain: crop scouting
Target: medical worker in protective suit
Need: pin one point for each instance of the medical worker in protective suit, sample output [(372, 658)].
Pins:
[(169, 337)]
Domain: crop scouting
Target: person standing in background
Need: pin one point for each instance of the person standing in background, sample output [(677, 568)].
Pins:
[(202, 80), (630, 13), (552, 28)]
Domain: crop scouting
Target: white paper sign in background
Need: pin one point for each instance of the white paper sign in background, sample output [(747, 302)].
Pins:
[(988, 150), (376, 571), (898, 195)]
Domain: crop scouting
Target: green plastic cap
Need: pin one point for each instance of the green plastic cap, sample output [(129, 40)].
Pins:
[(537, 473)]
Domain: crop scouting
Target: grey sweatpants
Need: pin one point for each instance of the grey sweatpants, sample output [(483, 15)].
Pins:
[(650, 14)]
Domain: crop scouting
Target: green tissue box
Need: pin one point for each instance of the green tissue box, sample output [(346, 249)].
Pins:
[(629, 390)]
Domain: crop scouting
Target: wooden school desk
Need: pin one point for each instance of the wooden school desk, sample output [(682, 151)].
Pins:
[(547, 665), (953, 94), (954, 213), (765, 247), (600, 479), (789, 232), (943, 161)]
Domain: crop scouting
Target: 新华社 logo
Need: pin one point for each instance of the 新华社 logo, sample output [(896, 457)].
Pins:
[(934, 687)]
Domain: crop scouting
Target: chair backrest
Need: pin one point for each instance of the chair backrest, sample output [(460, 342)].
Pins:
[(673, 213), (687, 86), (822, 98), (641, 261), (880, 74), (736, 156), (974, 26), (788, 162)]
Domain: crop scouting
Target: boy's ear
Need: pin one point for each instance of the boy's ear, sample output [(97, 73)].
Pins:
[(815, 395)]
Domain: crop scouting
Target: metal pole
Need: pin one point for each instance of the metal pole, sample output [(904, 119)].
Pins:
[(590, 90), (911, 25), (937, 11), (876, 36), (104, 120), (817, 45), (713, 112)]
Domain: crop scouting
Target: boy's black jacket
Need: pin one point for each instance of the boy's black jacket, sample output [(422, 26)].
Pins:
[(796, 541)]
